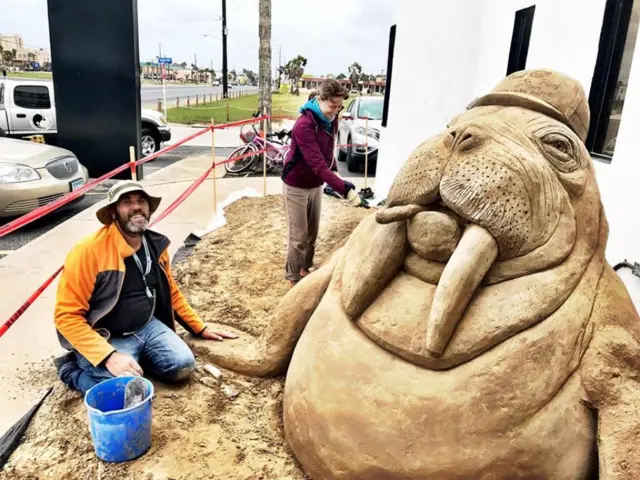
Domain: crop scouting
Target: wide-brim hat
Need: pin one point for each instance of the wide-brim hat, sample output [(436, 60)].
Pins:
[(118, 190), (546, 91)]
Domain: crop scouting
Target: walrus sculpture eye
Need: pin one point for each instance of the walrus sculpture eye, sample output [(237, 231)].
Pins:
[(560, 151)]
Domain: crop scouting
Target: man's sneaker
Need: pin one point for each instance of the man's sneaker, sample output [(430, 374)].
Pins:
[(66, 366), (63, 360)]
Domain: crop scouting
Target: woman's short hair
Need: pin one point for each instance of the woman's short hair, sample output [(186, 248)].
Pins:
[(330, 89)]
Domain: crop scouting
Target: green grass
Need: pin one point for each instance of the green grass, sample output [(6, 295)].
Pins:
[(285, 105), (38, 75)]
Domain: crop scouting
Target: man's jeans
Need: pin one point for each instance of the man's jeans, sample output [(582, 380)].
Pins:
[(155, 346)]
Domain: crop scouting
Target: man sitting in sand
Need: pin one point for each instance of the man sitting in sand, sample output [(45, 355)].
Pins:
[(117, 301)]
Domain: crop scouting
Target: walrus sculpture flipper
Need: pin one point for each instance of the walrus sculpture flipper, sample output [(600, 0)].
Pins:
[(270, 354), (610, 372)]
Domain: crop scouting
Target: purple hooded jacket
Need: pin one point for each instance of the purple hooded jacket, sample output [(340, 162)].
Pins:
[(310, 161)]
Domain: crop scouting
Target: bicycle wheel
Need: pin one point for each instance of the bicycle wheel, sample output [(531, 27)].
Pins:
[(241, 164), (278, 160)]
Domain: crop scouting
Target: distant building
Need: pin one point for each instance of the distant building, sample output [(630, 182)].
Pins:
[(174, 72), (26, 57), (375, 86)]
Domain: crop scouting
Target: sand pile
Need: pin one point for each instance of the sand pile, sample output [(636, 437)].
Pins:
[(235, 278)]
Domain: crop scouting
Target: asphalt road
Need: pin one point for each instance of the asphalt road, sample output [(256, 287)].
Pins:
[(150, 94)]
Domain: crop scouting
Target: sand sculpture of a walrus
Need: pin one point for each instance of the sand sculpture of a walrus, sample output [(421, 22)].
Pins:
[(472, 328)]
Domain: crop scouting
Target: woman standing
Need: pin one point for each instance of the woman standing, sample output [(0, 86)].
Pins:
[(309, 165)]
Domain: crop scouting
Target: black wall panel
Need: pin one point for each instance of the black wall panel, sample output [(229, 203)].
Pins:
[(96, 74)]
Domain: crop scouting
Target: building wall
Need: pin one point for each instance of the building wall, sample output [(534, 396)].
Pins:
[(10, 42), (435, 58), (444, 57)]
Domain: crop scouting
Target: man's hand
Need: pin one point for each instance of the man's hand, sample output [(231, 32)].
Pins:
[(217, 335), (120, 364)]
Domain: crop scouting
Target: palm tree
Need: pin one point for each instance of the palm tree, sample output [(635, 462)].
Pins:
[(295, 70), (264, 73), (281, 71), (355, 73)]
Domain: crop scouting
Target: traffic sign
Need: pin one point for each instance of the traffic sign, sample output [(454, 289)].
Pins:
[(165, 60)]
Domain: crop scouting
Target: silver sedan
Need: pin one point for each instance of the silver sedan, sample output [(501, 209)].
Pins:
[(34, 174)]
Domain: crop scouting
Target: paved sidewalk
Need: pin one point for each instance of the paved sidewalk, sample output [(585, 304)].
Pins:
[(32, 338)]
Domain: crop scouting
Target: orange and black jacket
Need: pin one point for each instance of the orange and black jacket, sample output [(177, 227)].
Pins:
[(90, 286)]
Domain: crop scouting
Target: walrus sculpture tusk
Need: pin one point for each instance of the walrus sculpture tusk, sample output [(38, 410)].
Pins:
[(466, 268)]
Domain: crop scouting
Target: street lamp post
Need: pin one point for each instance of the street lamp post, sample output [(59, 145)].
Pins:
[(225, 79)]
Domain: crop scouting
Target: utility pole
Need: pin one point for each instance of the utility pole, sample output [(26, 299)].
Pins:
[(225, 79), (279, 65)]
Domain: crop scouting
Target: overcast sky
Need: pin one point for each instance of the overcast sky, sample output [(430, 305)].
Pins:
[(332, 34)]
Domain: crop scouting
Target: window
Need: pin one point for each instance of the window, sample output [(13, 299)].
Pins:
[(32, 96), (520, 40), (387, 88), (611, 74), (371, 108), (1, 94)]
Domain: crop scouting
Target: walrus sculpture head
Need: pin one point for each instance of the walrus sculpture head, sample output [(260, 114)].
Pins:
[(514, 175), (471, 328)]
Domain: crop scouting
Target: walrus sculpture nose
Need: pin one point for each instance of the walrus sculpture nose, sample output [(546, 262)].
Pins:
[(466, 138)]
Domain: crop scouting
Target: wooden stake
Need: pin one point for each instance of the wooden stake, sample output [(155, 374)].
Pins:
[(264, 164), (213, 159), (132, 163), (366, 150), (228, 109)]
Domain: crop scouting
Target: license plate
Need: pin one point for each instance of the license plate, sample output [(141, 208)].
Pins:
[(76, 184)]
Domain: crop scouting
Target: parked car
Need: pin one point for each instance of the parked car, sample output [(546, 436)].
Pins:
[(27, 107), (34, 174), (352, 130)]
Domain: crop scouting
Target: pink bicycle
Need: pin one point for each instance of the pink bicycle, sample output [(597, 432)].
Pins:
[(248, 157)]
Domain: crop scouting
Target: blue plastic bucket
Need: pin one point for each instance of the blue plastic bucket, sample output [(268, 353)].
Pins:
[(118, 434)]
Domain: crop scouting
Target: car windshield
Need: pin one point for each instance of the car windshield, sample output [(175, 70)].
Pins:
[(370, 107)]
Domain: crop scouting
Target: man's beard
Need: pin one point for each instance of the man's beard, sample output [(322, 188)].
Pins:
[(128, 226)]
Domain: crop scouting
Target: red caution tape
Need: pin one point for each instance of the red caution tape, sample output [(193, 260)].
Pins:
[(182, 197), (23, 308), (171, 147), (50, 207), (239, 123), (39, 212)]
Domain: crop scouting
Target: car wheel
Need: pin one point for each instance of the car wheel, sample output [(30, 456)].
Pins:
[(2, 133), (342, 156), (352, 162), (149, 142)]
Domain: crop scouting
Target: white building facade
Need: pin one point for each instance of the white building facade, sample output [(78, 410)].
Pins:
[(447, 53)]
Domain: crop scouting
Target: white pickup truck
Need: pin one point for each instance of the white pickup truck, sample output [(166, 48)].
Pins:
[(27, 107)]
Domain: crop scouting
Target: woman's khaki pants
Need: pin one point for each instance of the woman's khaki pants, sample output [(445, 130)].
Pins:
[(302, 208)]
